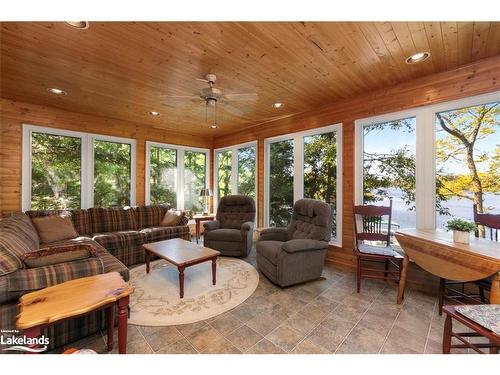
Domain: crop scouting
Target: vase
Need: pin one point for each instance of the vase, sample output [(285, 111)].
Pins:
[(460, 237)]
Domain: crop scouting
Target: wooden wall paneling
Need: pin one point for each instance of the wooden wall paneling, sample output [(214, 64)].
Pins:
[(13, 114), (480, 39), (473, 79)]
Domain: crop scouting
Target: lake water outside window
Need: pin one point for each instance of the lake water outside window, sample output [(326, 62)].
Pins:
[(389, 156), (55, 171), (467, 162)]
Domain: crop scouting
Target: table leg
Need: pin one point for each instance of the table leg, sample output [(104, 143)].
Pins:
[(33, 332), (402, 281), (495, 289), (110, 325), (122, 325), (214, 270), (181, 281), (447, 335), (147, 259), (197, 230)]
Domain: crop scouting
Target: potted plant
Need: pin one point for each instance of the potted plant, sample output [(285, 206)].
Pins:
[(461, 229)]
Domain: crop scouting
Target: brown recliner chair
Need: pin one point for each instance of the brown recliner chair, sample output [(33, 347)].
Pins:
[(296, 254), (232, 231)]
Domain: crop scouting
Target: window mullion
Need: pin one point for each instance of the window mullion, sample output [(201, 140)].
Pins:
[(87, 169), (298, 166), (180, 179)]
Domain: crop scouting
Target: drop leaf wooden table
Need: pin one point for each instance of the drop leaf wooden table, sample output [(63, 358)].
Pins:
[(435, 252), (74, 298)]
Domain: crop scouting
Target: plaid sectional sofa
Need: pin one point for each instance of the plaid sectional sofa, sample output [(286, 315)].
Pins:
[(115, 234)]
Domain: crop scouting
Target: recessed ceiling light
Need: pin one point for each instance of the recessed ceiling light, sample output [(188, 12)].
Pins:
[(82, 25), (418, 57), (278, 105), (213, 126), (56, 91), (154, 113)]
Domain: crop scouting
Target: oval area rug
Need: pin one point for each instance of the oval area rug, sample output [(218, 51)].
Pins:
[(156, 301)]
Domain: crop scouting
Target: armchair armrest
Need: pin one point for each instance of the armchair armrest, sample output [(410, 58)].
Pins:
[(247, 226), (274, 234), (211, 225), (297, 245)]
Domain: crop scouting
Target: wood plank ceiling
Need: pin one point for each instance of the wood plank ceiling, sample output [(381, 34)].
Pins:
[(124, 69)]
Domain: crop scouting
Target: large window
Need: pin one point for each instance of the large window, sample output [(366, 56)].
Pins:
[(176, 175), (435, 161), (304, 165), (281, 170), (112, 173), (467, 161), (55, 171), (235, 170), (64, 169), (389, 168)]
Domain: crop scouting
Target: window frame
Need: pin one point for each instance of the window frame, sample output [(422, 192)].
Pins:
[(86, 162), (234, 168), (180, 169), (298, 176), (425, 163)]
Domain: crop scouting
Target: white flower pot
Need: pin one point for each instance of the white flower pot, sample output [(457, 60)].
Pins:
[(460, 237)]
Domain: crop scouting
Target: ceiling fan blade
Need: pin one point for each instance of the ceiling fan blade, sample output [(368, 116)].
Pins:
[(242, 96), (180, 96), (186, 102), (202, 80)]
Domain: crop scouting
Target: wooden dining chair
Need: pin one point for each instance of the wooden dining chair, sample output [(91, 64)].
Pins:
[(369, 227), (460, 293)]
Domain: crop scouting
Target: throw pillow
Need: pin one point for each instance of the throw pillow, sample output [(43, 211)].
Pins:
[(57, 254), (172, 218), (54, 228)]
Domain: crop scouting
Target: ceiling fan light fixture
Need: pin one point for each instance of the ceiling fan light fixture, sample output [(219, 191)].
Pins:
[(154, 113), (417, 57), (56, 91), (278, 105), (214, 126), (81, 25)]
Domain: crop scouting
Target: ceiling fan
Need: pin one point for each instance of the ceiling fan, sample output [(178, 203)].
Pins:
[(212, 95)]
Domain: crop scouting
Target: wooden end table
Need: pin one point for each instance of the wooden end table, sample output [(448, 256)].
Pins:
[(198, 219), (74, 298), (182, 254)]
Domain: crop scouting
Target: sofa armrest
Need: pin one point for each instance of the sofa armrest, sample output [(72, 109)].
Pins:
[(211, 225), (42, 277), (273, 234), (58, 254), (297, 245), (247, 226)]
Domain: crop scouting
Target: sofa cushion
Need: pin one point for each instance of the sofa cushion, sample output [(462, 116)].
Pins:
[(57, 254), (171, 218), (112, 219), (54, 228), (123, 239), (110, 262), (80, 218), (166, 233), (150, 216), (269, 250), (17, 236), (228, 235)]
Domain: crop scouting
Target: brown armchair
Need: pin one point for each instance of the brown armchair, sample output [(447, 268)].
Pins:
[(232, 231), (296, 254)]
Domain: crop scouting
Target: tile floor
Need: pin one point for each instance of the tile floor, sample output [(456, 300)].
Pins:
[(323, 316)]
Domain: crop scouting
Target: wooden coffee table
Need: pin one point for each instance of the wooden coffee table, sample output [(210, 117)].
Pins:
[(74, 298), (182, 254)]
